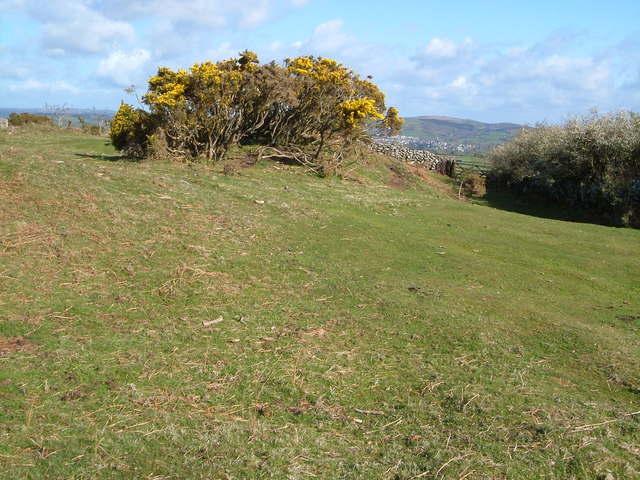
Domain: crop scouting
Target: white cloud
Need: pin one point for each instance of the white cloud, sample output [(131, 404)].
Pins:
[(55, 87), (441, 52), (184, 30), (99, 26), (13, 71), (275, 46), (56, 52), (122, 68), (196, 13), (460, 82), (254, 14), (166, 41), (524, 83), (209, 14), (526, 66), (71, 26), (440, 48), (62, 86), (8, 5), (329, 37), (29, 84), (223, 51)]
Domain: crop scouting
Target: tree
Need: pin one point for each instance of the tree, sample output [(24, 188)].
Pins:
[(132, 90), (58, 112)]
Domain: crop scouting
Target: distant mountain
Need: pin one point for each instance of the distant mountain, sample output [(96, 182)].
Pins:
[(455, 135)]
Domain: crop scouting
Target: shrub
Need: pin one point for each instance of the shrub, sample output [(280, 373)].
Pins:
[(592, 162), (91, 129), (130, 129), (473, 185), (19, 119), (312, 109), (307, 107), (158, 147)]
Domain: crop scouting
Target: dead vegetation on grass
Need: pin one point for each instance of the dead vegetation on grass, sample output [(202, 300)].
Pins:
[(195, 278), (13, 195), (35, 238)]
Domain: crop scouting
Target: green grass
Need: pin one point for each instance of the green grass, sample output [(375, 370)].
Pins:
[(366, 331)]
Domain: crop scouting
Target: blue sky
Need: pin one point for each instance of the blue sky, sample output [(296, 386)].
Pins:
[(491, 61)]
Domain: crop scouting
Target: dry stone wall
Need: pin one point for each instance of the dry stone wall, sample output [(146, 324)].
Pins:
[(423, 157)]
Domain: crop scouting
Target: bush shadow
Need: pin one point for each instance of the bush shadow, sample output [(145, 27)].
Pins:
[(107, 158), (536, 207)]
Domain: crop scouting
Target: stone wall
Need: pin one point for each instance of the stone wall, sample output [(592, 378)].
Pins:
[(424, 157), (4, 122)]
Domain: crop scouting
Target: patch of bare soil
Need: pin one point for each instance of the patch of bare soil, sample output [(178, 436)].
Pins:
[(427, 177), (234, 165), (11, 345), (399, 178)]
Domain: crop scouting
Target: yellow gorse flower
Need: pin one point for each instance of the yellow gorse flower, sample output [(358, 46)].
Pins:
[(321, 70), (353, 112), (167, 88)]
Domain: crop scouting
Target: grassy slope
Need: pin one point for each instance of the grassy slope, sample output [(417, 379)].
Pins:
[(367, 332)]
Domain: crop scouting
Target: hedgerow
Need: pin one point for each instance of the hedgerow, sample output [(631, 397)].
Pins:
[(590, 162)]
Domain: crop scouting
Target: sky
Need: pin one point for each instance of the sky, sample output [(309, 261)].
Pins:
[(491, 61)]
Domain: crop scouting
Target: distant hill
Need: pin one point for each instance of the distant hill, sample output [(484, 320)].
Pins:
[(90, 116), (455, 135)]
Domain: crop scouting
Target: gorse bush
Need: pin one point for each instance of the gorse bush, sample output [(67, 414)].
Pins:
[(130, 129), (19, 119), (307, 107), (590, 162)]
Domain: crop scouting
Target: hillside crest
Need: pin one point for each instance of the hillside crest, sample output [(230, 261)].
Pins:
[(455, 135)]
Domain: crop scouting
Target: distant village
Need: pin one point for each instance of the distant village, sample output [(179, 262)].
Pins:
[(437, 145)]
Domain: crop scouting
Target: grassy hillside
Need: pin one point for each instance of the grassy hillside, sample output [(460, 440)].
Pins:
[(167, 321), (458, 131)]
